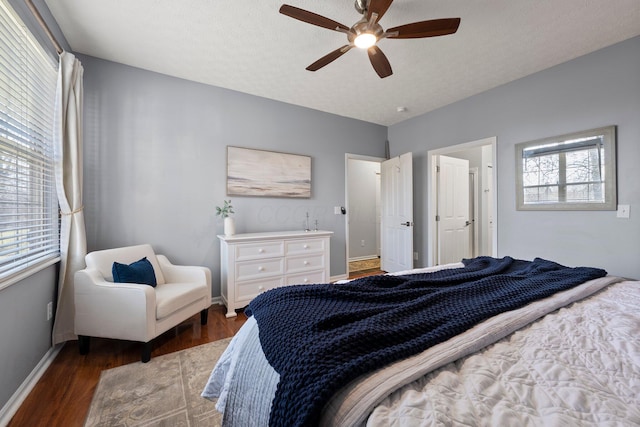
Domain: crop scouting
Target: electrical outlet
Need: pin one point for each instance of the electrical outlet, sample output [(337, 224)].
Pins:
[(415, 256), (337, 210), (49, 310), (362, 243), (623, 211)]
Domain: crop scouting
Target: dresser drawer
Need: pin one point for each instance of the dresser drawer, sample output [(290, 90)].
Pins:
[(305, 263), (259, 250), (256, 269), (312, 277), (300, 247), (246, 291), (252, 263)]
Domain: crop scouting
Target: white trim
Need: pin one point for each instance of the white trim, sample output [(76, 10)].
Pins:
[(29, 271), (217, 300), (476, 193), (431, 207), (363, 258), (13, 404)]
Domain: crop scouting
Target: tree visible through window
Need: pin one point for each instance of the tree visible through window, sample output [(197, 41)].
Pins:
[(570, 171), (29, 230), (575, 171)]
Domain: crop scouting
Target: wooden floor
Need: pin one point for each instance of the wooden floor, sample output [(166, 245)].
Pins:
[(62, 396)]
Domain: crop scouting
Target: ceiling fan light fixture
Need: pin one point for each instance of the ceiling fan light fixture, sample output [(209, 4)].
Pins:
[(365, 40), (366, 33)]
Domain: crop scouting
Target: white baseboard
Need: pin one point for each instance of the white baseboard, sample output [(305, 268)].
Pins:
[(339, 277), (363, 258), (13, 404), (11, 407)]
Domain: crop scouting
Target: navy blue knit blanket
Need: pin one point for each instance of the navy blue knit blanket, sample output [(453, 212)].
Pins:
[(320, 337)]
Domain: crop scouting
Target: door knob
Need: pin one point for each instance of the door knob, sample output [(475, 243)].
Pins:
[(408, 223)]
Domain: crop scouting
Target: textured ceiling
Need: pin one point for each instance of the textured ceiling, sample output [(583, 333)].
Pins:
[(249, 47)]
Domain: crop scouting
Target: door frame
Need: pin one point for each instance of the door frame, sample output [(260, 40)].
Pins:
[(432, 227), (474, 206), (347, 157)]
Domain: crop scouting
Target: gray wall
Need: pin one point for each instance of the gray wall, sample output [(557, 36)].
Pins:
[(155, 163), (598, 89), (25, 332)]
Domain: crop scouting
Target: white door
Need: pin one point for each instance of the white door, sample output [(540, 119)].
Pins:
[(396, 192), (453, 209)]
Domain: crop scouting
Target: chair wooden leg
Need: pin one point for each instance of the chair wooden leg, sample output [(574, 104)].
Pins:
[(204, 316), (83, 344), (146, 351)]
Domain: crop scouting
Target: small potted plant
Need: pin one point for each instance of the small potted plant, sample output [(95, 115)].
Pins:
[(225, 211)]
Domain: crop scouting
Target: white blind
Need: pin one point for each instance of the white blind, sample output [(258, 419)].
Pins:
[(29, 221)]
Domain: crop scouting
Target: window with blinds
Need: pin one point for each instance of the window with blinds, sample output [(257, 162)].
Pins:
[(29, 220)]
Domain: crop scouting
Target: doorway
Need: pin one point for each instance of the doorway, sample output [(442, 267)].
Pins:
[(363, 214), (384, 215), (481, 229)]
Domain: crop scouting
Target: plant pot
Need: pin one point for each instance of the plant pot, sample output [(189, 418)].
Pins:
[(229, 226)]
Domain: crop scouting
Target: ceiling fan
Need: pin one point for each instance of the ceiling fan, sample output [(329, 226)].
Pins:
[(367, 32)]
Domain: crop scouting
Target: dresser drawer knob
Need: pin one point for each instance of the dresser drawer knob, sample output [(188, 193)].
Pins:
[(306, 263), (306, 246), (261, 288), (261, 268), (261, 251), (305, 280)]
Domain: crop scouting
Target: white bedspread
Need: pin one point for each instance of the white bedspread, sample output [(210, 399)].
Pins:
[(577, 366)]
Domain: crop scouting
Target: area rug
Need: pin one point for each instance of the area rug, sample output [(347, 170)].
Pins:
[(163, 392)]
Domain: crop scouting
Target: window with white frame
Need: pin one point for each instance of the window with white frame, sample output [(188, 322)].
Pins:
[(29, 220), (571, 171)]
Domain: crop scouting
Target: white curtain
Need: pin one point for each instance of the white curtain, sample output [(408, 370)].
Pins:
[(68, 169)]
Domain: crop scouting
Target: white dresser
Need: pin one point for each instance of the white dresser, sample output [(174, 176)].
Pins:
[(256, 262)]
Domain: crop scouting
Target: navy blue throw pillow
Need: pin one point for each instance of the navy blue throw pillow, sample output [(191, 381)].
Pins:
[(138, 272)]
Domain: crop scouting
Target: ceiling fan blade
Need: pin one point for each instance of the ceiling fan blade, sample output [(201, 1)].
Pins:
[(432, 28), (327, 59), (378, 6), (379, 61), (311, 18)]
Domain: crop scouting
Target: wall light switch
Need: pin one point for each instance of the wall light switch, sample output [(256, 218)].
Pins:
[(337, 210), (623, 211)]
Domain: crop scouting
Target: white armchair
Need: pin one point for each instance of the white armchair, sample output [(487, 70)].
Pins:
[(136, 312)]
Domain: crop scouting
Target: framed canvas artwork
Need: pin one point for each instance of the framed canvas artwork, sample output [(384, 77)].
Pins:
[(263, 173)]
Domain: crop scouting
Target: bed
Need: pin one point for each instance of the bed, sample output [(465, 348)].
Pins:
[(567, 356)]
